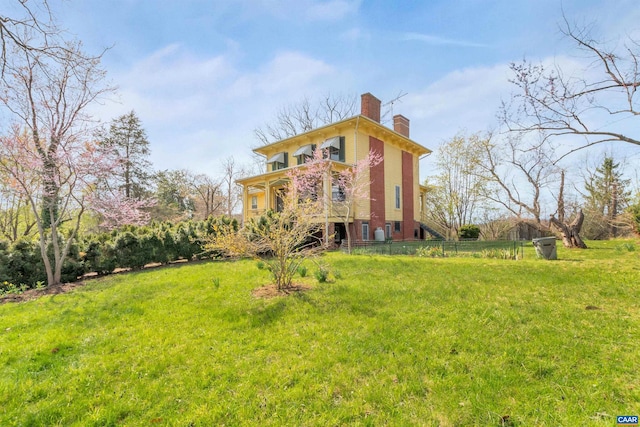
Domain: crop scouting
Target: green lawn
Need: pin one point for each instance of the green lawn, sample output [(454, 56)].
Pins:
[(393, 341)]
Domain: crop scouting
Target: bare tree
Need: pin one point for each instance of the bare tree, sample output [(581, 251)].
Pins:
[(305, 116), (566, 104), (231, 190), (208, 195), (524, 178), (283, 240), (16, 219), (519, 174)]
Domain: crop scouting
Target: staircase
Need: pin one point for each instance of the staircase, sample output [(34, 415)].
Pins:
[(431, 231)]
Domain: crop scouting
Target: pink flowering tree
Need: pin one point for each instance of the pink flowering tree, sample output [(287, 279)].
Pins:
[(334, 189), (47, 154), (116, 209)]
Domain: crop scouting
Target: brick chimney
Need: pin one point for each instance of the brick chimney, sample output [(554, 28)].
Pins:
[(370, 106), (401, 125)]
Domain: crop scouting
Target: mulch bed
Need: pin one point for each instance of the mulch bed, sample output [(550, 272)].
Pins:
[(271, 291), (32, 294)]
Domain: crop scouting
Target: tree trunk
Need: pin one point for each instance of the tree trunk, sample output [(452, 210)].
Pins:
[(570, 232)]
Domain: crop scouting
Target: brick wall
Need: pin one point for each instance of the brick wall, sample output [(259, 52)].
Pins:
[(376, 188), (407, 196)]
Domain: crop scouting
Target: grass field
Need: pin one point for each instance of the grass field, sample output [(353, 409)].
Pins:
[(391, 341)]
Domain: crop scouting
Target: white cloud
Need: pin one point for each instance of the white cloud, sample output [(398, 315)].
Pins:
[(439, 41), (287, 72), (199, 110), (463, 99)]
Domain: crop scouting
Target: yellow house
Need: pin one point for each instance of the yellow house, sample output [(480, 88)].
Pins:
[(396, 198)]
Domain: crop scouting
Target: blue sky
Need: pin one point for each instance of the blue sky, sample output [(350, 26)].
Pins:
[(202, 75)]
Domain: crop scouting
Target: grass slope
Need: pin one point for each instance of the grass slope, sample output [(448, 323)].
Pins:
[(394, 341)]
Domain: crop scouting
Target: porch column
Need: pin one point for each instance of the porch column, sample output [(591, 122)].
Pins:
[(267, 196)]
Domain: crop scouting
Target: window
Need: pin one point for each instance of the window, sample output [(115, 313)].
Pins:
[(310, 194), (397, 197), (396, 226), (387, 229), (279, 161), (337, 193), (279, 201), (365, 231), (304, 153), (335, 148), (254, 202)]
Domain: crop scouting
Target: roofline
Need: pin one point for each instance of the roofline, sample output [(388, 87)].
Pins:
[(357, 118)]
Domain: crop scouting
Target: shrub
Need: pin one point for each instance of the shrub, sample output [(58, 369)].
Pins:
[(127, 251), (429, 251), (469, 231), (100, 257), (322, 274), (25, 264), (4, 260), (499, 253), (302, 271), (629, 247)]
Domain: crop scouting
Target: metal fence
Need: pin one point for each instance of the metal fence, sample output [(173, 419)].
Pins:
[(488, 248)]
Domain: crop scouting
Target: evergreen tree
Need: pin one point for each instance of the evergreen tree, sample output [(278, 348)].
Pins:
[(128, 140), (607, 197)]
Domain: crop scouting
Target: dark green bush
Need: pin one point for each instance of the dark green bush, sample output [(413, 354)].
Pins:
[(126, 247), (25, 264), (129, 247), (469, 231), (100, 257)]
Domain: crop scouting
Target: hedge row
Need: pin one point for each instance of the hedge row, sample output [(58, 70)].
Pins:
[(21, 265)]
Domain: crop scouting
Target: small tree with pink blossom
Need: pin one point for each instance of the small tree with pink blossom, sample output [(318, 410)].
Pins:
[(338, 188)]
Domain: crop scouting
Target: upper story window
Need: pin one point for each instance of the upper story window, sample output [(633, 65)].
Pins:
[(335, 148), (279, 161), (254, 202), (397, 197), (304, 153)]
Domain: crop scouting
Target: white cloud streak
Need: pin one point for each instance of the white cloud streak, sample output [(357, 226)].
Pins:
[(440, 41)]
